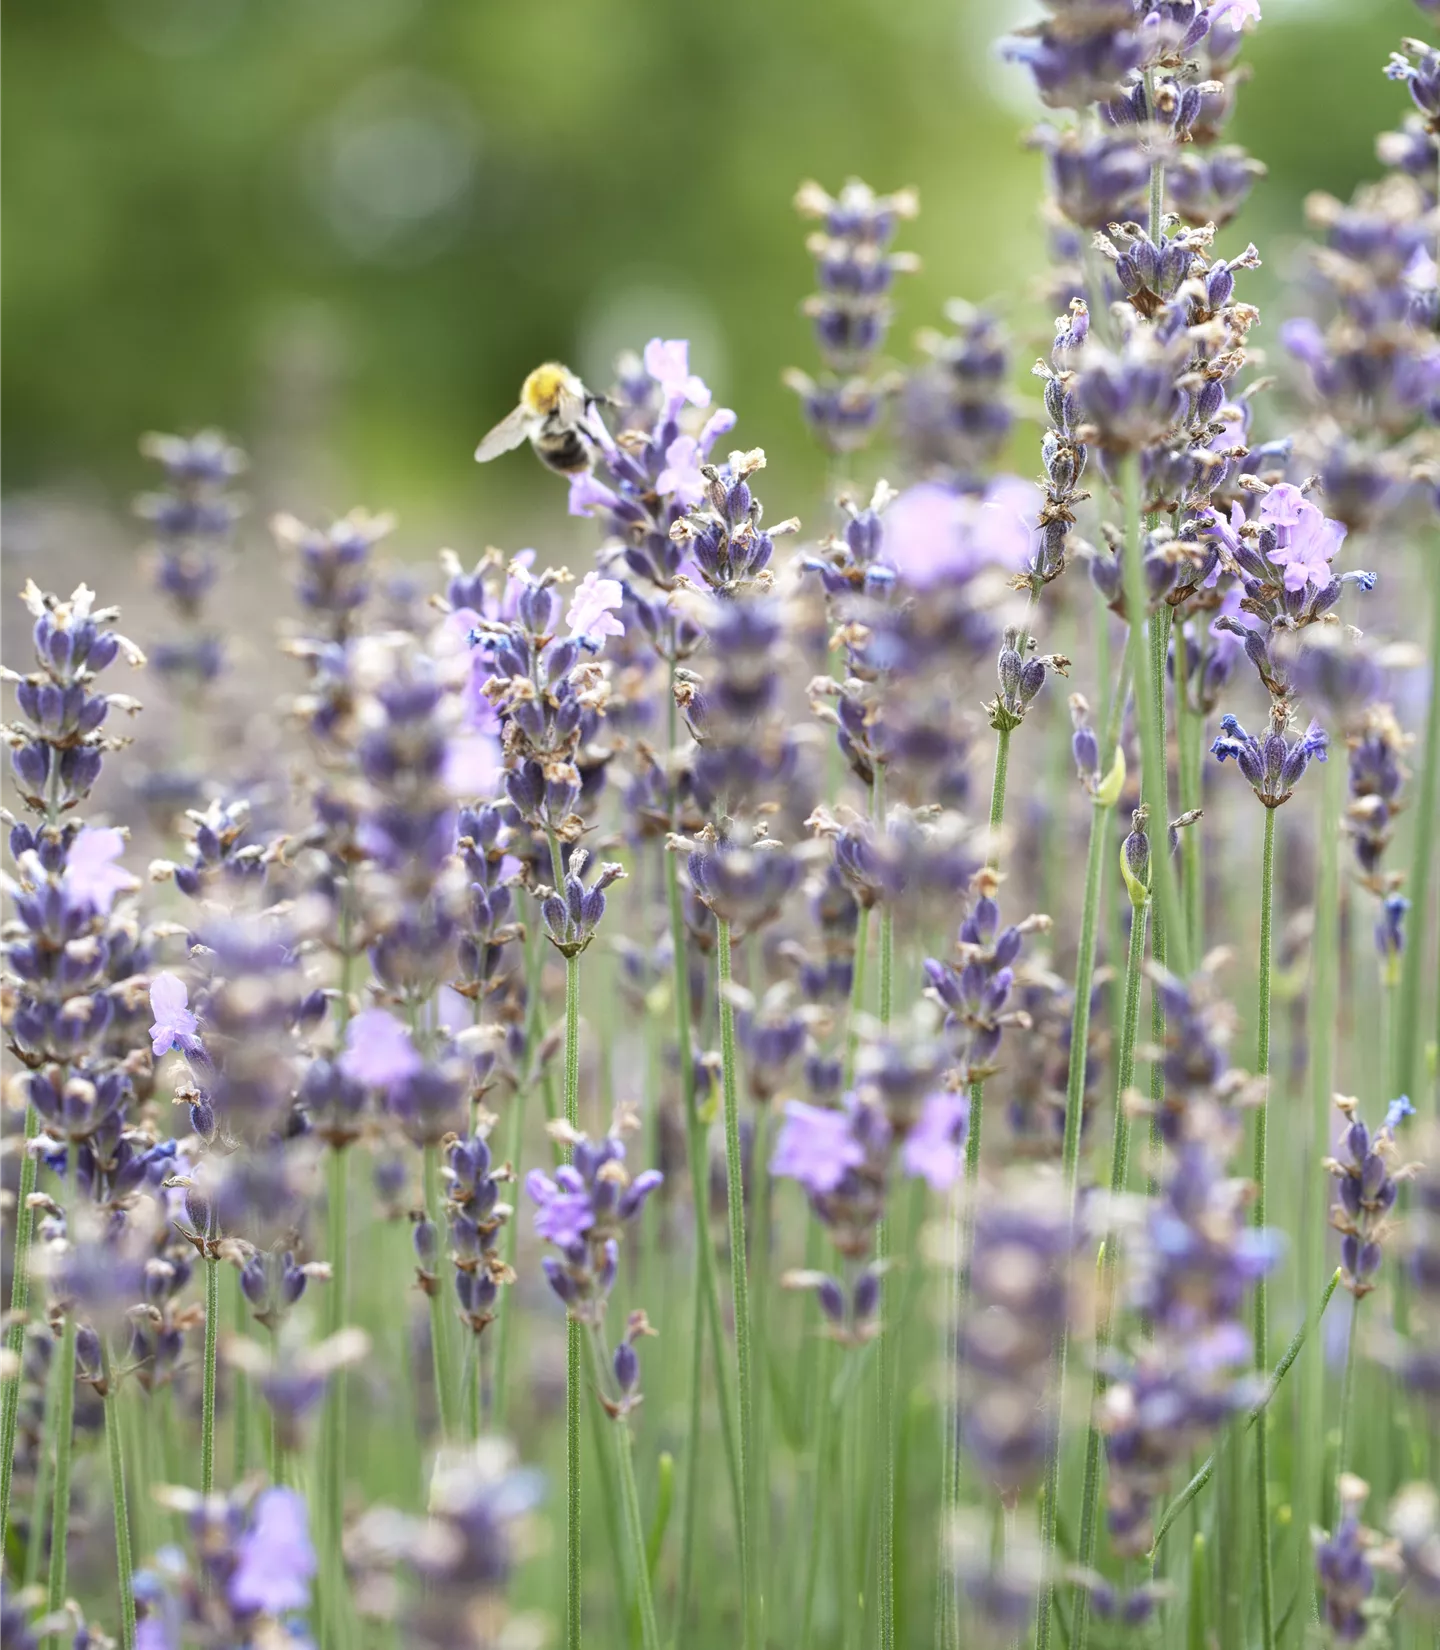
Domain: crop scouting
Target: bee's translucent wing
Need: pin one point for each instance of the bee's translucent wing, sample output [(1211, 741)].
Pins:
[(508, 433), (572, 405)]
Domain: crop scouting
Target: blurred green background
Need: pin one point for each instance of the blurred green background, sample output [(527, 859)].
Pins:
[(345, 229)]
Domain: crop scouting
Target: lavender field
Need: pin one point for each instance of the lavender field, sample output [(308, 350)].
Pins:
[(856, 1078)]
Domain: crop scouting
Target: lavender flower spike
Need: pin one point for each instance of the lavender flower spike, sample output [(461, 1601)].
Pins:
[(1274, 764)]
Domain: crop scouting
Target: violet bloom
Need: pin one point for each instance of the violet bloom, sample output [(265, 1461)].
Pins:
[(1306, 542), (275, 1560), (667, 360), (934, 535), (1234, 13), (681, 478), (583, 1211), (91, 875), (1273, 764), (816, 1146), (591, 615), (175, 1026), (378, 1051), (563, 1211), (934, 1149)]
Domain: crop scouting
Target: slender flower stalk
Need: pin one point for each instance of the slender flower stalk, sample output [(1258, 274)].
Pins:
[(885, 1352), (124, 1563), (64, 1423), (634, 1523), (707, 1284), (207, 1399), (19, 1307), (739, 1284), (573, 1571), (439, 1316), (1262, 1071), (1418, 887), (1070, 1155), (1135, 867), (1323, 1004)]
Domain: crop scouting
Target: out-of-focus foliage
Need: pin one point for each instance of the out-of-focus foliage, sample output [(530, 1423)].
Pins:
[(346, 228)]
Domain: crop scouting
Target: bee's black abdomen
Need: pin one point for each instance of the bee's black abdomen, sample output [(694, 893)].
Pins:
[(565, 450)]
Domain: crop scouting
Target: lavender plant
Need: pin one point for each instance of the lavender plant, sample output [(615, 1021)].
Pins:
[(683, 856)]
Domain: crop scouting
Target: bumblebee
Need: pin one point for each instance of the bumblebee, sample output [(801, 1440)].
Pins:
[(554, 416)]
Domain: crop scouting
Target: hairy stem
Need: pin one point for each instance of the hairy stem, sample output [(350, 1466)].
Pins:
[(1119, 1162), (1262, 1070), (1418, 888), (739, 1283), (15, 1332), (514, 1139), (64, 1420), (885, 1351), (572, 1331), (707, 1290), (207, 1401), (439, 1318), (124, 1563), (1070, 1160)]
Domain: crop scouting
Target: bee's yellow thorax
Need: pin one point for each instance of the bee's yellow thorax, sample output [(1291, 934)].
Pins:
[(540, 393)]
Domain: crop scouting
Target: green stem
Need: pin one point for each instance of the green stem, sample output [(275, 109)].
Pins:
[(1282, 1369), (824, 1497), (572, 1324), (1347, 1390), (19, 1307), (439, 1317), (739, 1282), (1190, 738), (997, 793), (1119, 1160), (1325, 957), (884, 1352), (241, 1384), (64, 1441), (1070, 1160), (707, 1291), (960, 1243), (514, 1140), (634, 1523), (1262, 1070), (207, 1401), (336, 1303), (1418, 889), (1153, 775), (649, 1631), (125, 1564)]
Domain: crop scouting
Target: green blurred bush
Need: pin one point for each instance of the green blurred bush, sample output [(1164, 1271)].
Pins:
[(344, 229)]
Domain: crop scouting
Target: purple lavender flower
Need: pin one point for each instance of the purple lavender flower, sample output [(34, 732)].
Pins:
[(591, 615), (816, 1146), (175, 1024), (1190, 1278), (1273, 765), (91, 874), (667, 360), (1343, 1567), (572, 916), (1367, 1175), (378, 1050), (1305, 541), (1418, 68), (274, 1560), (583, 1211), (934, 1149)]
